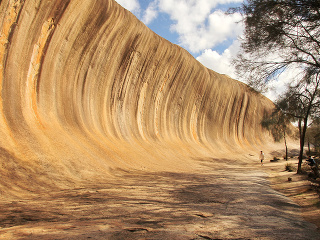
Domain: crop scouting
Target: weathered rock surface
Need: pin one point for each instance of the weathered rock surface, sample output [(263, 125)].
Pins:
[(86, 89)]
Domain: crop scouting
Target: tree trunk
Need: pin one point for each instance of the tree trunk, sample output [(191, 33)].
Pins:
[(302, 138), (285, 143)]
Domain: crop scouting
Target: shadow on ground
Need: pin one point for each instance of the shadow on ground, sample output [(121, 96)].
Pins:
[(236, 203)]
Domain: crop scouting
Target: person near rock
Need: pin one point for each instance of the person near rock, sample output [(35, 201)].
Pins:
[(261, 157), (311, 161), (314, 167)]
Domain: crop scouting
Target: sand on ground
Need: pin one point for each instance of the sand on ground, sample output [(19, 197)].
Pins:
[(224, 199), (303, 190)]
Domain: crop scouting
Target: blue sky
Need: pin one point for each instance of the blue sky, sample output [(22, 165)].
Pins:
[(200, 27)]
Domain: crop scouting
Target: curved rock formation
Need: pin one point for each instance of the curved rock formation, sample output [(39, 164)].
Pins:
[(86, 88)]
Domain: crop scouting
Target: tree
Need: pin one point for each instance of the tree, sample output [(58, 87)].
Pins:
[(301, 102), (279, 126), (282, 38)]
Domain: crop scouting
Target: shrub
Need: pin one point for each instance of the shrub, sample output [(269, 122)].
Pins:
[(275, 159), (289, 167)]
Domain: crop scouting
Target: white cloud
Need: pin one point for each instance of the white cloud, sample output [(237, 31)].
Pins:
[(279, 85), (276, 88), (220, 63), (131, 5), (198, 27), (150, 13)]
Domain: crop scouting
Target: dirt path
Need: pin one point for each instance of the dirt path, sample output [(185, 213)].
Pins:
[(226, 203), (301, 189)]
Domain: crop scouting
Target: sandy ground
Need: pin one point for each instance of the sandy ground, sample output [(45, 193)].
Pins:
[(301, 189), (222, 201)]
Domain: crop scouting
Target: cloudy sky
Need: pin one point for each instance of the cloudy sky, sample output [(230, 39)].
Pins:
[(199, 26)]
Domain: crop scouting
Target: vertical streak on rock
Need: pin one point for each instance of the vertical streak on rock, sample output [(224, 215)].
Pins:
[(12, 10), (194, 121), (159, 100), (241, 118), (141, 109), (86, 84), (34, 71)]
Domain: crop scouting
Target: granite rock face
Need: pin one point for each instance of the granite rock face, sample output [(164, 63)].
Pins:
[(86, 88)]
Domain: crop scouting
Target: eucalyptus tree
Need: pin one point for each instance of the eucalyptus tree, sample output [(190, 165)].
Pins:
[(282, 39), (302, 103)]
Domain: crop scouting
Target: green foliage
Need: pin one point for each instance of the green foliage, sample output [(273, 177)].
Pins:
[(278, 124)]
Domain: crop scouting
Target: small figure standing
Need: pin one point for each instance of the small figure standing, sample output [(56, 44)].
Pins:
[(314, 167), (261, 157), (311, 161)]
